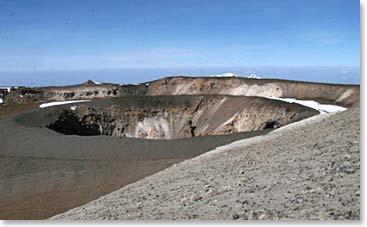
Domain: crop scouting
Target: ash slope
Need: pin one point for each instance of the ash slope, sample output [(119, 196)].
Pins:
[(310, 170)]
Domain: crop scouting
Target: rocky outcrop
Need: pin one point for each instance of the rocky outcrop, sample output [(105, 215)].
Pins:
[(171, 117), (87, 90)]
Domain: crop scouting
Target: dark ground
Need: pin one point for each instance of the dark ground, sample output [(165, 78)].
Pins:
[(43, 173)]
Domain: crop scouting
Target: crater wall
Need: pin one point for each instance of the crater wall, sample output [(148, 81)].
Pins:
[(172, 117), (344, 95)]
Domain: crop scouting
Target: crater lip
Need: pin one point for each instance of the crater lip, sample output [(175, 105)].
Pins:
[(168, 117)]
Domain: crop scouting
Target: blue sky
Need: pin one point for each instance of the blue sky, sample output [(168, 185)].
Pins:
[(86, 35)]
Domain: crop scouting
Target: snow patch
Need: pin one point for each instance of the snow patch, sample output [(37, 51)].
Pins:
[(95, 82), (44, 105), (224, 75), (322, 108), (251, 76), (1, 101), (6, 88)]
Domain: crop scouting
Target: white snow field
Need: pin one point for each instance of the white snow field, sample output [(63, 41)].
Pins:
[(44, 105), (322, 108), (224, 75), (251, 76)]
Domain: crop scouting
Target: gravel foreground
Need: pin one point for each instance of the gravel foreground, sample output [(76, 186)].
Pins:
[(307, 170)]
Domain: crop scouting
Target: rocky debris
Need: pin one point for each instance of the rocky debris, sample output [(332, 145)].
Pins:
[(133, 90), (188, 116), (24, 95), (86, 90), (3, 93), (306, 171)]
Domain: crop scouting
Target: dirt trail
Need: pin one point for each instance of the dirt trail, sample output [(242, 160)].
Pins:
[(309, 170)]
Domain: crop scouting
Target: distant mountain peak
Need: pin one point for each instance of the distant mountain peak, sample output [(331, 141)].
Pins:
[(89, 82)]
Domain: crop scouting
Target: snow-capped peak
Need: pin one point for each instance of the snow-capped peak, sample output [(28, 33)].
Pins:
[(253, 76)]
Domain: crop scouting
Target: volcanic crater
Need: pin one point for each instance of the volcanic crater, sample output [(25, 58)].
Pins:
[(53, 156), (173, 117)]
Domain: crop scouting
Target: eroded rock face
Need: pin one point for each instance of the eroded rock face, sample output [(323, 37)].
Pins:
[(344, 95), (87, 90), (166, 117)]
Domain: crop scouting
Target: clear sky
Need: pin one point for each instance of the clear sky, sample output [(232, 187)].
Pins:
[(97, 34)]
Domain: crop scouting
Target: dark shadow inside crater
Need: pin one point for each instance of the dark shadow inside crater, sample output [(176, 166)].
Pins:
[(272, 124), (70, 124)]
